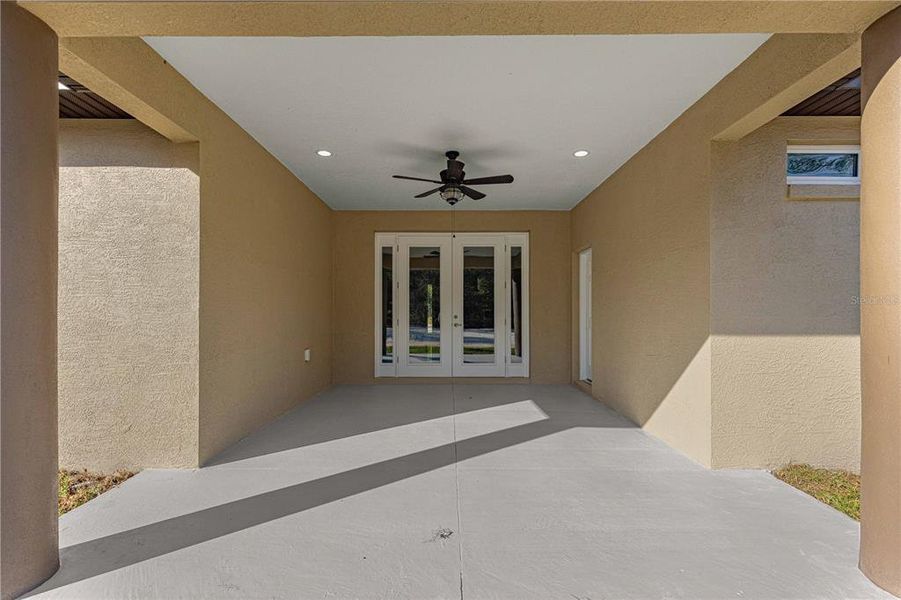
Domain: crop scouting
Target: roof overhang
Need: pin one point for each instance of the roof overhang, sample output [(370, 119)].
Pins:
[(477, 17)]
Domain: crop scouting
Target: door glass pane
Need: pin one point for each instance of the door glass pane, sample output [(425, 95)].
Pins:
[(478, 304), (387, 320), (515, 317), (425, 305)]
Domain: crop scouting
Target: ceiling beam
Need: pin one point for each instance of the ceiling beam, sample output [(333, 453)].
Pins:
[(824, 60), (130, 75), (473, 17)]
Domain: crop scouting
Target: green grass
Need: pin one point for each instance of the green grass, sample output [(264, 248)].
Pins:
[(839, 489), (424, 349), (77, 487)]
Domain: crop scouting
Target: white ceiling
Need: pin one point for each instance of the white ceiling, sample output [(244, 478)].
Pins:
[(518, 105)]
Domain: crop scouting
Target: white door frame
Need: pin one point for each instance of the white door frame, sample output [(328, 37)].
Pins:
[(399, 365), (585, 315)]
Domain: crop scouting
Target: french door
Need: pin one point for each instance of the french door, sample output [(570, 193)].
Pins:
[(451, 305), (424, 283), (479, 344)]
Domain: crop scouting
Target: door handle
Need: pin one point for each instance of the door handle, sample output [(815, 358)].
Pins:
[(458, 325)]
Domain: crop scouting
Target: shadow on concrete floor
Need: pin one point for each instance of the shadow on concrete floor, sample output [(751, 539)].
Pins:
[(105, 554)]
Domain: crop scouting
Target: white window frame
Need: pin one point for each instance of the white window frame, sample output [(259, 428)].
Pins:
[(520, 369), (512, 370), (823, 149)]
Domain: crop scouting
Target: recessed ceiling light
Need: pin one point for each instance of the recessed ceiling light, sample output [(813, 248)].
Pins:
[(581, 153), (61, 86), (323, 153)]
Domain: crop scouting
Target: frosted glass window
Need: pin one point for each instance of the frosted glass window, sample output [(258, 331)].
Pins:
[(823, 165)]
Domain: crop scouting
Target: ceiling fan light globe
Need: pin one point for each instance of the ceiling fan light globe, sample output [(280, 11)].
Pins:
[(451, 195)]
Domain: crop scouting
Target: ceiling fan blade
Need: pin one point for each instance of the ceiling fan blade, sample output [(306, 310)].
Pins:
[(475, 195), (429, 193), (416, 179), (490, 180)]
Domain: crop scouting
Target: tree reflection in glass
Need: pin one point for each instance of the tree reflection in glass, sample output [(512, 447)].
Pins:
[(425, 305), (478, 305)]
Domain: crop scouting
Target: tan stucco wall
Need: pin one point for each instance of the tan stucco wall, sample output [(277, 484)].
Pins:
[(265, 246), (549, 279), (649, 229), (265, 289), (129, 240), (648, 234), (784, 321)]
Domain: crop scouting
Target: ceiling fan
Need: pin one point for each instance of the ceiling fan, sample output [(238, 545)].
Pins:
[(454, 185)]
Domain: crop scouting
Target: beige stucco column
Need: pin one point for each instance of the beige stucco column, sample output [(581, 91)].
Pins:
[(28, 197), (880, 282)]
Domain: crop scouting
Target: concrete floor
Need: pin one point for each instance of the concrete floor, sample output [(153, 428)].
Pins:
[(546, 493)]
